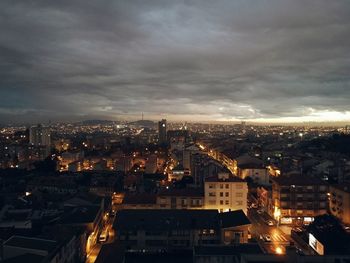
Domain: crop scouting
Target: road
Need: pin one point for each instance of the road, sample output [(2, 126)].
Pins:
[(260, 229), (108, 226), (279, 240)]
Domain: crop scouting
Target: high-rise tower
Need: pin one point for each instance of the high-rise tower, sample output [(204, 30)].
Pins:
[(162, 128)]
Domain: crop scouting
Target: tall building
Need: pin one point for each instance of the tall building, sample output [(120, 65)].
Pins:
[(162, 138), (39, 136), (298, 199)]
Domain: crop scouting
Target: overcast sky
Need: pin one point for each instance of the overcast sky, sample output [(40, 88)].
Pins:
[(183, 60)]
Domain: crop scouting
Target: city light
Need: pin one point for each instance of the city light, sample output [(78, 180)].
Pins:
[(279, 251)]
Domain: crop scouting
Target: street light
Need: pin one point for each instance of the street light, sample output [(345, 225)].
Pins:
[(277, 215), (279, 251)]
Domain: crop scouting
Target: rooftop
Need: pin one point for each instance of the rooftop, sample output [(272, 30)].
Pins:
[(143, 198), (297, 180), (233, 218), (27, 258), (173, 219), (80, 215), (31, 243), (166, 219), (232, 179)]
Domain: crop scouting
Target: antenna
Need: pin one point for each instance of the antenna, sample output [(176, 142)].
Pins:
[(142, 116)]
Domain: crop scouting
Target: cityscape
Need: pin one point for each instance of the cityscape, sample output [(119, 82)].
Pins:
[(174, 131)]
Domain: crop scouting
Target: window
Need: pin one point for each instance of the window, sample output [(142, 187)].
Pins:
[(227, 202), (239, 202), (227, 194), (239, 186), (239, 194), (212, 194), (221, 186), (227, 186), (221, 194), (221, 202), (310, 187), (211, 186), (184, 202), (323, 188)]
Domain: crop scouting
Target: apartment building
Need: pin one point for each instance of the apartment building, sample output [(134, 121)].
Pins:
[(181, 199), (179, 228), (225, 192), (339, 202), (298, 199)]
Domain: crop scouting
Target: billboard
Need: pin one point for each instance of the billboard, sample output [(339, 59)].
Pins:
[(316, 245)]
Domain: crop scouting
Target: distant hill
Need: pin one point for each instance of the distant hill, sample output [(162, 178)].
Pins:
[(97, 122), (143, 123)]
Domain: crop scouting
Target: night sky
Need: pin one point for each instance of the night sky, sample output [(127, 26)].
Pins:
[(183, 60)]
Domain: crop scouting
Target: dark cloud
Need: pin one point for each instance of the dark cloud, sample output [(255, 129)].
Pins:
[(214, 60)]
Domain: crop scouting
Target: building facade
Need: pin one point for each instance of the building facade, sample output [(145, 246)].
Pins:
[(225, 192), (174, 228), (339, 202), (39, 136), (181, 199), (298, 199)]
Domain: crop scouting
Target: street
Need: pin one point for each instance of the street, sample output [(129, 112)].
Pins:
[(279, 240), (108, 228), (260, 230)]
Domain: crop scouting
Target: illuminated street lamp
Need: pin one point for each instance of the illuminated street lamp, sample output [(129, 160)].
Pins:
[(279, 251), (277, 215)]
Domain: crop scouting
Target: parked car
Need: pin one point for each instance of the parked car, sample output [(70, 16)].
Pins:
[(270, 223), (267, 238)]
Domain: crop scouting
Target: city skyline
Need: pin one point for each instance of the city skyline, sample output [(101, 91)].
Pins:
[(261, 62)]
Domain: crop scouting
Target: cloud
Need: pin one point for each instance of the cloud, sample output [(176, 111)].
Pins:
[(221, 60)]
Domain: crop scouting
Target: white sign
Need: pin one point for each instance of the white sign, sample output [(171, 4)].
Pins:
[(316, 245)]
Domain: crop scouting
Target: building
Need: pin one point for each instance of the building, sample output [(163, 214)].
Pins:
[(181, 199), (178, 173), (203, 166), (225, 192), (298, 199), (252, 168), (39, 136), (53, 185), (339, 202), (139, 201), (171, 228), (162, 132)]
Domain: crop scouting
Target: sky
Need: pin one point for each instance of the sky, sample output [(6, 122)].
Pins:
[(252, 60)]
